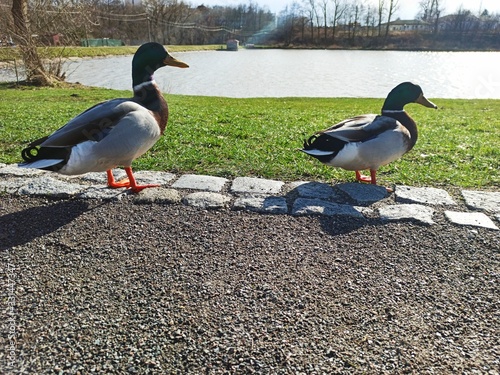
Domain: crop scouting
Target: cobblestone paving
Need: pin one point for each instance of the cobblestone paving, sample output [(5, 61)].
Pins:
[(422, 204)]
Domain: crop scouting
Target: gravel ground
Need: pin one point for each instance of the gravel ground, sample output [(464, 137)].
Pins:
[(117, 287)]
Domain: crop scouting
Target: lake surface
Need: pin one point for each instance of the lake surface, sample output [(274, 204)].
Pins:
[(307, 73)]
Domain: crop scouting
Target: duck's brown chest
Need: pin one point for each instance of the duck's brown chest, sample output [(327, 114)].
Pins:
[(151, 98), (162, 116), (404, 119)]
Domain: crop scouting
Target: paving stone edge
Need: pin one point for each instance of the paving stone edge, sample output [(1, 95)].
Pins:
[(426, 206)]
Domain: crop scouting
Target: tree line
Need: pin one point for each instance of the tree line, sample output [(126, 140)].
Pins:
[(322, 23), (365, 24), (303, 23), (163, 21)]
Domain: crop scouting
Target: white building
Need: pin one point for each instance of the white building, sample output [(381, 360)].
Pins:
[(407, 25), (133, 2)]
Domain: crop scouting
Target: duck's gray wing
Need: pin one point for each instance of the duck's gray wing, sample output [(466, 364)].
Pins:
[(93, 124), (361, 128)]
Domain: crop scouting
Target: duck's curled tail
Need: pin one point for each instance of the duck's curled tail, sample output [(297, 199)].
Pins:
[(46, 158)]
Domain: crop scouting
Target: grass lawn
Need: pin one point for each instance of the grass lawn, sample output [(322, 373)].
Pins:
[(458, 145), (71, 51)]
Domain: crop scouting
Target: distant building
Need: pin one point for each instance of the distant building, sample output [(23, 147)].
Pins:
[(232, 45), (133, 2), (407, 25)]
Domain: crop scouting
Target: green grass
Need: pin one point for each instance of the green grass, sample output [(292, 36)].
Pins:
[(71, 51), (458, 144)]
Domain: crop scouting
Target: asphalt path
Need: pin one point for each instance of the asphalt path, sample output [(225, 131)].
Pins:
[(118, 287)]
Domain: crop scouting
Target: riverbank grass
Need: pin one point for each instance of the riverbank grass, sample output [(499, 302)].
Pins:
[(457, 145), (92, 52)]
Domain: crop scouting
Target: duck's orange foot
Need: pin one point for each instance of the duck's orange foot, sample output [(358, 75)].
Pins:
[(362, 178), (129, 182), (125, 183), (138, 188), (372, 179)]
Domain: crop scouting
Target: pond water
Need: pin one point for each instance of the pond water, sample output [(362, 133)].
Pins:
[(307, 73)]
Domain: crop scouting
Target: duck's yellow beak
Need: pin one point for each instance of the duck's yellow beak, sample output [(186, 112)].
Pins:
[(425, 102), (174, 62)]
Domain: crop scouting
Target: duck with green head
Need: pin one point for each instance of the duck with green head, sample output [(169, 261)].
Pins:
[(112, 133), (370, 141)]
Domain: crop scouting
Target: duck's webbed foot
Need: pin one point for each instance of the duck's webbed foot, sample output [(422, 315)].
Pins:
[(125, 183), (129, 182), (116, 184), (372, 179)]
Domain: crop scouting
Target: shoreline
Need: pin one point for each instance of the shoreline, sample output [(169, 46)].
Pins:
[(123, 51)]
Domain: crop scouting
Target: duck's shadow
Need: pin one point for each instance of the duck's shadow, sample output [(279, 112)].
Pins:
[(341, 208), (21, 227), (338, 225)]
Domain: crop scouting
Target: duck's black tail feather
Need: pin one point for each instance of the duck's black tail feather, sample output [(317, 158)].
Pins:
[(46, 158), (323, 147), (324, 142), (308, 142)]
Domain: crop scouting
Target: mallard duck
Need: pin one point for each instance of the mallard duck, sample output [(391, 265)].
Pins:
[(112, 133), (370, 141)]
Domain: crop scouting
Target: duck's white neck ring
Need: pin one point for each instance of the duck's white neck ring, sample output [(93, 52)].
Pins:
[(393, 111), (144, 84)]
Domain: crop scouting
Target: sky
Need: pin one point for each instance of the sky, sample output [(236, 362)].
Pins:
[(408, 9)]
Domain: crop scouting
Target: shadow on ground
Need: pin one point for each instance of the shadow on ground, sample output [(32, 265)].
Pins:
[(24, 226)]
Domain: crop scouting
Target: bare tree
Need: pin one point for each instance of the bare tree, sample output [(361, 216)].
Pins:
[(316, 14), (287, 18), (353, 15), (339, 7), (370, 19), (311, 14), (169, 20), (302, 21), (380, 13), (393, 6), (35, 71), (430, 11), (324, 11)]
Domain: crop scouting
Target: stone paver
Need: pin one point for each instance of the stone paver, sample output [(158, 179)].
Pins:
[(252, 185), (151, 177), (482, 200), (206, 200), (99, 178), (477, 219), (363, 194), (307, 206), (200, 182), (416, 212), (158, 195), (14, 170), (263, 195), (270, 205), (102, 192), (11, 185), (48, 186), (409, 194), (312, 189)]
